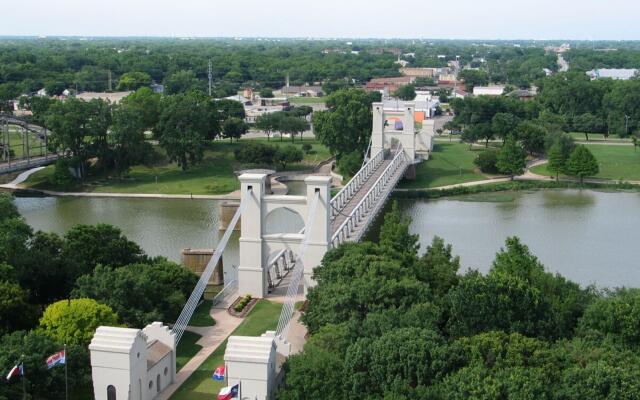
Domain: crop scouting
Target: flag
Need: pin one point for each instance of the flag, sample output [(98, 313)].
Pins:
[(218, 374), (228, 393), (18, 370), (58, 358)]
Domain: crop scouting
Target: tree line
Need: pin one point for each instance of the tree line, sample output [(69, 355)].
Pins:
[(57, 290), (388, 323)]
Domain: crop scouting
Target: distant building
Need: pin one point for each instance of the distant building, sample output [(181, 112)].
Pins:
[(157, 88), (419, 72), (302, 91), (388, 84), (240, 98), (113, 97), (496, 90), (523, 94), (621, 74)]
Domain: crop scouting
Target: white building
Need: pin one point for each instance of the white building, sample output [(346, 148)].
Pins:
[(132, 364), (621, 74), (495, 90)]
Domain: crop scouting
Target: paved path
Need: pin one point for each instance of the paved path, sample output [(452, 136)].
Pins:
[(212, 338), (21, 178)]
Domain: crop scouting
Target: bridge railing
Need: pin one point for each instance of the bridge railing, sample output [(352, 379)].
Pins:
[(369, 201), (340, 200), (279, 266)]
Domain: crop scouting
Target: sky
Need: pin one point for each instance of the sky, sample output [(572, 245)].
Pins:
[(462, 19)]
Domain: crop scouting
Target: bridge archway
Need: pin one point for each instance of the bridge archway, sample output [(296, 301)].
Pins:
[(283, 220)]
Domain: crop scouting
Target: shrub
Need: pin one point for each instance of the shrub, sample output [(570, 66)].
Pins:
[(256, 153), (486, 161), (306, 147), (350, 163), (242, 303), (62, 174)]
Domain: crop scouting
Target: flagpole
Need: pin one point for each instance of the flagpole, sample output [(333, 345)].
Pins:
[(24, 386), (66, 379)]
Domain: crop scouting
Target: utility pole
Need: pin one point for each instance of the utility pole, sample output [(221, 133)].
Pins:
[(210, 76), (109, 80), (626, 124)]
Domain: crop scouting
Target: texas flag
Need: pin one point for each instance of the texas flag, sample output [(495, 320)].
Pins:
[(218, 374), (58, 358), (229, 392), (18, 370)]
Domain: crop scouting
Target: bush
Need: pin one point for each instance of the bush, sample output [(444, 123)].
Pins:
[(242, 303), (306, 147), (62, 175), (256, 153), (350, 163), (486, 161)]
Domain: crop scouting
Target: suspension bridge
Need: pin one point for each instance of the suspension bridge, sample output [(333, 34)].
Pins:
[(23, 145), (287, 260)]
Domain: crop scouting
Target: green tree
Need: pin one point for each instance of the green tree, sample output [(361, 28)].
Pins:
[(616, 314), (181, 82), (557, 160), (127, 137), (511, 159), (75, 321), (266, 93), (582, 163), (234, 128), (473, 78), (405, 92), (86, 246), (293, 125), (287, 155), (15, 310), (133, 80), (588, 123), (532, 137), (139, 293), (486, 161), (438, 267), (147, 103), (349, 164), (346, 125), (186, 122), (268, 123), (504, 124)]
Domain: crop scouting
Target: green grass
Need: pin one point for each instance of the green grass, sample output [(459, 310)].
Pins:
[(16, 142), (201, 315), (450, 163), (306, 100), (187, 348), (200, 386), (597, 137), (615, 162), (213, 176)]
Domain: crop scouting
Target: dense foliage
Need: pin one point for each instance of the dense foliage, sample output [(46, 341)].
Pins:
[(386, 322)]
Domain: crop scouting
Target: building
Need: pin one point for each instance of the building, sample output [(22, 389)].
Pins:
[(252, 113), (302, 91), (495, 90), (523, 94), (388, 85), (157, 88), (419, 72), (131, 363), (621, 74), (113, 97)]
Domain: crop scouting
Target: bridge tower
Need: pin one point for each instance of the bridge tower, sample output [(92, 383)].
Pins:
[(394, 124), (256, 246)]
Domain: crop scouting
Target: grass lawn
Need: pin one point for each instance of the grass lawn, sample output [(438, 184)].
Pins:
[(36, 146), (597, 137), (200, 386), (616, 162), (214, 175), (187, 348), (201, 315), (450, 163), (306, 100)]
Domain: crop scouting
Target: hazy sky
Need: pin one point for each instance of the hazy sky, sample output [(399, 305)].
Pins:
[(474, 19)]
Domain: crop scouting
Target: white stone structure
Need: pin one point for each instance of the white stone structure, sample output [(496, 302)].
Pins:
[(257, 247), (251, 362), (132, 364), (391, 124)]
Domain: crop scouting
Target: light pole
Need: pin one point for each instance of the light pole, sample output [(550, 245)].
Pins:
[(626, 124)]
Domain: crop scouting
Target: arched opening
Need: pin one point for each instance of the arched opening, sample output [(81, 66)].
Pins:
[(158, 383), (111, 392), (283, 220)]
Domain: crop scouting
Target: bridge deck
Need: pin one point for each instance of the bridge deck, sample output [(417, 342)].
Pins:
[(351, 205)]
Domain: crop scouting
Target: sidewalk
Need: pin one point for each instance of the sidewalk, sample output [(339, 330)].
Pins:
[(212, 338)]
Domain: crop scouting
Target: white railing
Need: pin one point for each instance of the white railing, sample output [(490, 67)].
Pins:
[(372, 199), (340, 200), (298, 272), (279, 266)]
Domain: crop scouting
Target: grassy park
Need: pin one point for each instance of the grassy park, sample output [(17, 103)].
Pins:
[(200, 386), (450, 163), (187, 348), (213, 176), (300, 101), (615, 162)]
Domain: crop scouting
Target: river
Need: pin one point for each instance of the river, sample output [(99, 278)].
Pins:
[(587, 236)]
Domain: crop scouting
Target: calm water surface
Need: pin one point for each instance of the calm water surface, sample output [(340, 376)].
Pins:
[(587, 236)]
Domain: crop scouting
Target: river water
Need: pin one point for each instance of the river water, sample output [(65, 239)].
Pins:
[(587, 236)]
